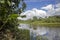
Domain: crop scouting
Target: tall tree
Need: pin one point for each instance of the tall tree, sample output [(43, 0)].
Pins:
[(8, 18)]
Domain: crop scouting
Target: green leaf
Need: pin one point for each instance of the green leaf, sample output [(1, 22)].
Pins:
[(2, 1), (9, 3), (13, 16)]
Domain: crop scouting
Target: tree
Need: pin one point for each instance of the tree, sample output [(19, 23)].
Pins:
[(8, 18)]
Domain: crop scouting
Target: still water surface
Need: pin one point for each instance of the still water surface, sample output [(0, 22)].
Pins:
[(50, 33)]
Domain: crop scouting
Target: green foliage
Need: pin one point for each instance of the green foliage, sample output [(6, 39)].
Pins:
[(41, 38), (8, 19), (50, 21), (23, 35), (23, 16)]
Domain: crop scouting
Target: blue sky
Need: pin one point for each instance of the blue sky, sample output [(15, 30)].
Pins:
[(39, 3), (41, 8)]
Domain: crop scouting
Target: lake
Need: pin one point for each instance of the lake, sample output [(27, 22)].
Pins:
[(42, 32)]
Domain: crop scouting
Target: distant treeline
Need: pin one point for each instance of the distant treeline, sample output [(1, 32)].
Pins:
[(51, 19)]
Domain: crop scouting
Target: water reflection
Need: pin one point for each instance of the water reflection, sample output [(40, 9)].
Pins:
[(48, 33)]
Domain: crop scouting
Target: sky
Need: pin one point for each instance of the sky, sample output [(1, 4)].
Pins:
[(39, 3), (41, 8)]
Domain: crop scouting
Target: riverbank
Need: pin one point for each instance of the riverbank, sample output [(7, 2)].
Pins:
[(47, 24), (51, 21), (41, 24)]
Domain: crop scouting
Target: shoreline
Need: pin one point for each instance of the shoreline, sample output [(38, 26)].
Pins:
[(43, 24)]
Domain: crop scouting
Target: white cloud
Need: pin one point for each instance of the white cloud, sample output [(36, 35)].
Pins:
[(19, 18), (57, 10), (48, 7), (58, 5), (34, 12), (51, 11)]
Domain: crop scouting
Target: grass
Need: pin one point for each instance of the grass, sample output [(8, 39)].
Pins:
[(55, 24), (51, 21), (46, 24)]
